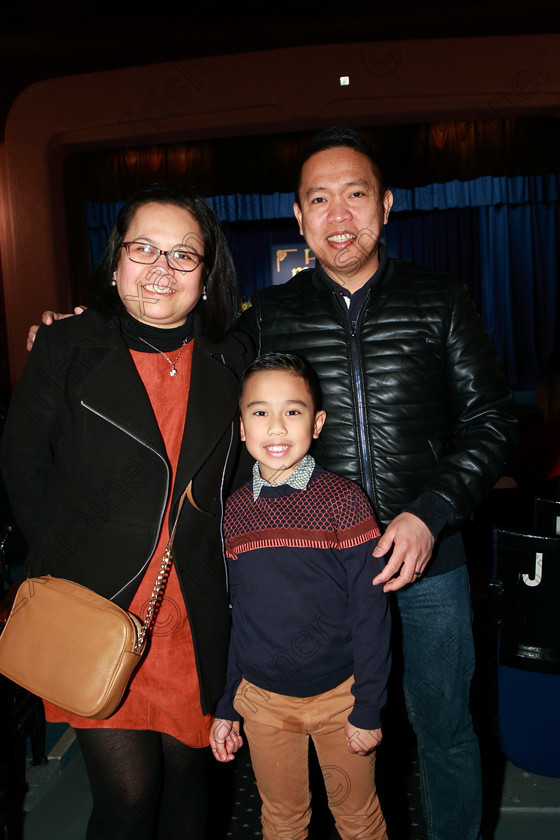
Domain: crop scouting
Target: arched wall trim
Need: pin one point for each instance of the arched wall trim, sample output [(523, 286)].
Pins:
[(273, 91)]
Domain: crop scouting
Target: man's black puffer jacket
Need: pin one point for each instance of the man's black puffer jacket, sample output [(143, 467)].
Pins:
[(415, 396)]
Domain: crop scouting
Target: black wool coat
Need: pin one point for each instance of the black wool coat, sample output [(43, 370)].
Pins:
[(88, 477)]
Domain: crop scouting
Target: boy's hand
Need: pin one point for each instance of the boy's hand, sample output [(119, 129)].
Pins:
[(362, 741), (225, 739), (48, 318)]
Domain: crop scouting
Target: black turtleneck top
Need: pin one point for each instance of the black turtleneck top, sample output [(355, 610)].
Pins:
[(165, 340)]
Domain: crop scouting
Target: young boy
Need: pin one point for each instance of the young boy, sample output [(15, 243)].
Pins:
[(309, 654)]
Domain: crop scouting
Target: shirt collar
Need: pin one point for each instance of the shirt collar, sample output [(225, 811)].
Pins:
[(299, 479), (342, 290)]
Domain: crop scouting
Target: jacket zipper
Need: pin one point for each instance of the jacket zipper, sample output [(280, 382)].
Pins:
[(362, 425), (143, 443), (224, 558)]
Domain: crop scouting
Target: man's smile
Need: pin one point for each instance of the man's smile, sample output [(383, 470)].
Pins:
[(341, 238)]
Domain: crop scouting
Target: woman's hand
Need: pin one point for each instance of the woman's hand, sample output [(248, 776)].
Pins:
[(49, 318), (362, 741), (225, 739)]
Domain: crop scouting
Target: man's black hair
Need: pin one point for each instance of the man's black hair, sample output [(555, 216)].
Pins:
[(336, 137), (289, 362)]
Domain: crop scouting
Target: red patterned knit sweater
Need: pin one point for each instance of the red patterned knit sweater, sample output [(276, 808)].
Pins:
[(305, 614)]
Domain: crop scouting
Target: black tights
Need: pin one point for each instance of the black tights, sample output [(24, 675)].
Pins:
[(145, 785)]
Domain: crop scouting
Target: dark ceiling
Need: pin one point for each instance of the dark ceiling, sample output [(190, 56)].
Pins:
[(40, 40)]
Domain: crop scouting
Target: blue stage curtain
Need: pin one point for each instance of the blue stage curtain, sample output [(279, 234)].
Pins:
[(519, 277), (499, 235), (446, 241), (250, 208), (100, 218)]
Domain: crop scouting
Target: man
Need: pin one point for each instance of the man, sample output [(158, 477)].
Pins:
[(419, 414)]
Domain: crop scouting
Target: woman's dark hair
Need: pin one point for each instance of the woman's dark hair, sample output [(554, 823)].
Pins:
[(289, 362), (334, 138), (218, 311)]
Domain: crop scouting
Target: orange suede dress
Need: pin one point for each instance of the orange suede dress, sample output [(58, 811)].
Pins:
[(163, 695)]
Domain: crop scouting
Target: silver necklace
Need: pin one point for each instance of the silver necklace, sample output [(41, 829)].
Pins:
[(173, 371)]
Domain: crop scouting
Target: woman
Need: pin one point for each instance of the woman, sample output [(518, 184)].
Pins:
[(96, 454)]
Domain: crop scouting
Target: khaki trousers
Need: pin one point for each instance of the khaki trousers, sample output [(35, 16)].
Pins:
[(278, 730)]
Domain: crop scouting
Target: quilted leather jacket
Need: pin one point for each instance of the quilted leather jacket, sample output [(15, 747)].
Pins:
[(415, 396)]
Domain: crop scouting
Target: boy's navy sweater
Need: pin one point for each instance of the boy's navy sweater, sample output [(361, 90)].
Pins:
[(305, 614)]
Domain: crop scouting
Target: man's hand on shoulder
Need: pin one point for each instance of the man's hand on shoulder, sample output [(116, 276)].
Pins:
[(49, 318), (412, 543)]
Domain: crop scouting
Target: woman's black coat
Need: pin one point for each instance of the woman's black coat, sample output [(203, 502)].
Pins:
[(88, 476)]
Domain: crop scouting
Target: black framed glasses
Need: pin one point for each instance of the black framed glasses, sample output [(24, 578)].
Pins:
[(180, 259)]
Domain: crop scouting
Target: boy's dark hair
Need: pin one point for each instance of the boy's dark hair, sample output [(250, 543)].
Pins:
[(333, 138), (289, 362)]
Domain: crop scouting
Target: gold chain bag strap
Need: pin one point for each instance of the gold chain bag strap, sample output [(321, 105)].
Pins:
[(74, 647)]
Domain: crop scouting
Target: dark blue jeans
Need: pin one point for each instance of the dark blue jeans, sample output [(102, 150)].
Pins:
[(438, 653)]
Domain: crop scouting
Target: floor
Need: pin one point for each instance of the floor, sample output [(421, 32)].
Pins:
[(58, 801)]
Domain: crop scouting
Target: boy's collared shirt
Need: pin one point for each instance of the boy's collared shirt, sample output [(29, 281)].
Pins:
[(299, 479)]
